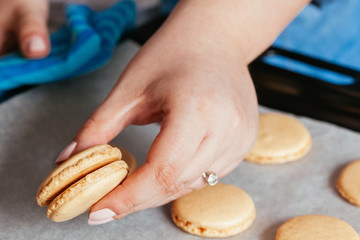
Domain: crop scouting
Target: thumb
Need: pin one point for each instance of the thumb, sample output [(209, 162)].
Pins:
[(32, 31)]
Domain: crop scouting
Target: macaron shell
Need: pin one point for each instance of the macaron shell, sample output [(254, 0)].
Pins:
[(73, 169), (214, 211), (281, 138), (316, 227), (348, 182), (129, 159), (80, 196)]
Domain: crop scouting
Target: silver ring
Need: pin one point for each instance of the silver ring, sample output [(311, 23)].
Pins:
[(210, 178)]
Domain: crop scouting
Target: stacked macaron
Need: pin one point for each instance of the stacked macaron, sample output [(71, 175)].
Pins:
[(82, 180)]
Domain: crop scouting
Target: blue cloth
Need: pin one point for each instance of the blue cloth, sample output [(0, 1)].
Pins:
[(84, 44), (329, 32)]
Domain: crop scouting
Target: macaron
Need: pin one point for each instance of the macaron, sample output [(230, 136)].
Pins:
[(281, 138), (348, 182), (316, 227), (215, 211), (76, 184)]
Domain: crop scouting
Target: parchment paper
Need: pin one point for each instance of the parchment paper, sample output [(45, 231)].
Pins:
[(36, 125)]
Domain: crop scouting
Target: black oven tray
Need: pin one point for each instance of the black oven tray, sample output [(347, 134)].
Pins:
[(304, 95)]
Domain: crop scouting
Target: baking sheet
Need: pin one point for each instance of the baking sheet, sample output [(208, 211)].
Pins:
[(37, 124)]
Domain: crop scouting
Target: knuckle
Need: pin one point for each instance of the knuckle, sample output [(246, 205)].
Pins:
[(93, 127), (206, 105), (91, 123), (29, 22), (237, 119), (213, 104), (166, 178), (24, 10), (29, 19), (129, 204)]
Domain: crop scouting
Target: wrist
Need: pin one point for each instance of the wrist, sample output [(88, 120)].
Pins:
[(197, 25), (246, 27)]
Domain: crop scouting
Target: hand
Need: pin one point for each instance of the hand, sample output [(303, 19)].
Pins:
[(204, 96), (24, 21), (191, 75)]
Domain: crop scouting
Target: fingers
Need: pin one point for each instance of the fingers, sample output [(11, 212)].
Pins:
[(24, 22), (108, 120), (122, 107), (32, 33), (161, 179)]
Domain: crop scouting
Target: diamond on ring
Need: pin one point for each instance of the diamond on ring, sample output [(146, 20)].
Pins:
[(210, 178)]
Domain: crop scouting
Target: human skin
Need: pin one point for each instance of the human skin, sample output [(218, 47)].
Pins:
[(192, 76), (24, 22)]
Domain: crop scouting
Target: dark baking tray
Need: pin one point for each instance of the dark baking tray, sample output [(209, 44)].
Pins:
[(305, 95)]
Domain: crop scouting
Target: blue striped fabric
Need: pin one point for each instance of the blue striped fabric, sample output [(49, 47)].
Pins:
[(83, 44)]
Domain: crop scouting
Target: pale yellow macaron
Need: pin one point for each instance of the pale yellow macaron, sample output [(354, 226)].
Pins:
[(348, 182), (214, 211), (80, 196), (73, 169), (79, 182), (129, 159), (281, 138), (316, 227)]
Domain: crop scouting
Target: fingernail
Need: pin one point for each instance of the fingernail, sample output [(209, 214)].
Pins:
[(100, 217), (35, 44), (91, 222), (65, 154)]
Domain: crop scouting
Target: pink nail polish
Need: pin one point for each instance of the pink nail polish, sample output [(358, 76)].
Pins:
[(91, 222), (101, 216), (65, 154), (35, 44)]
